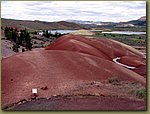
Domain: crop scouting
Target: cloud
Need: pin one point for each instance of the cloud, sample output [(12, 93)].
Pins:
[(81, 10)]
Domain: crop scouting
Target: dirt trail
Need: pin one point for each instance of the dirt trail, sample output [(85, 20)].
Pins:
[(81, 103)]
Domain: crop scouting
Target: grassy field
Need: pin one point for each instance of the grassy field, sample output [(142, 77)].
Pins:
[(135, 29), (133, 40)]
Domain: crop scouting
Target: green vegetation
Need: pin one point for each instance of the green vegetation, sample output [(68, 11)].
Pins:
[(33, 32), (19, 38), (15, 48), (48, 35), (10, 33), (44, 39), (141, 93), (134, 40), (136, 29)]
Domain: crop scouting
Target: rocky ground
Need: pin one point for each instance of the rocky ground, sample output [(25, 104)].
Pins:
[(6, 48)]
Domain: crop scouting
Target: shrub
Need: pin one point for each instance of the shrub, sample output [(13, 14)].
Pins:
[(114, 35), (15, 48), (113, 80), (141, 93)]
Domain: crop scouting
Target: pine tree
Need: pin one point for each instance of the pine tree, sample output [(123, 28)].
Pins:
[(28, 40), (6, 31)]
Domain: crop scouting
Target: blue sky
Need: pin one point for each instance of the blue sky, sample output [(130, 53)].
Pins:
[(106, 11)]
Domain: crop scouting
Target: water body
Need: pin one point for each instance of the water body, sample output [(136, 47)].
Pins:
[(112, 32), (60, 31), (125, 32)]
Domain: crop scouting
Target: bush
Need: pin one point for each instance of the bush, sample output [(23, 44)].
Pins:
[(15, 48), (141, 93), (113, 80), (114, 35)]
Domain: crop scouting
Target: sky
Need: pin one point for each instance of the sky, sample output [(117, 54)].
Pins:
[(105, 11)]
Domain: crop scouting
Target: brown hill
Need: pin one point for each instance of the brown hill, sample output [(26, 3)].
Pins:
[(39, 25)]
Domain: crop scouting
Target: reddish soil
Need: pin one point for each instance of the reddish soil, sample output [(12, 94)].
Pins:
[(102, 48), (68, 63)]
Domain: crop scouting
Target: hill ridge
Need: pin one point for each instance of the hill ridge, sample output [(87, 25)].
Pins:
[(39, 25)]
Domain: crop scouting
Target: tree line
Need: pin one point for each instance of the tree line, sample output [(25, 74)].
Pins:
[(47, 34), (19, 37)]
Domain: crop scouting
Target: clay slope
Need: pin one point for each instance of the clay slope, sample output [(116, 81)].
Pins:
[(71, 66), (107, 49), (60, 71)]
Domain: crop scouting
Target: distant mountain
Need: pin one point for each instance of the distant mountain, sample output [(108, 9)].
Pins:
[(90, 22), (133, 23), (139, 22), (70, 24), (39, 25), (80, 22), (142, 18)]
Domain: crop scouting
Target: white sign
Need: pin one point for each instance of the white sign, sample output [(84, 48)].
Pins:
[(34, 90)]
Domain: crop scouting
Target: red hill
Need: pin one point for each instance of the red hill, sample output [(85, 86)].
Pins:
[(107, 49), (68, 65)]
